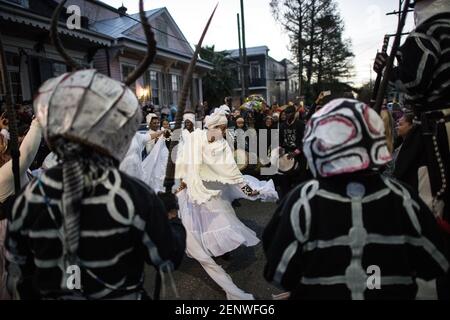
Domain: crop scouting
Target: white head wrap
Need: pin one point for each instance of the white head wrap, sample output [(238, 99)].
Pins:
[(189, 116), (150, 116), (217, 118)]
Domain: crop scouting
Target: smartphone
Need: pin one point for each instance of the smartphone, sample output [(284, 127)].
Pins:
[(326, 93)]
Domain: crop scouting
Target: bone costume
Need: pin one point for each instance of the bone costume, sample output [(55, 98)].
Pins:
[(327, 232), (213, 182)]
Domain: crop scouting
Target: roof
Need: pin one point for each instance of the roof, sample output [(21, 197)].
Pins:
[(117, 26), (182, 56), (252, 51), (11, 12)]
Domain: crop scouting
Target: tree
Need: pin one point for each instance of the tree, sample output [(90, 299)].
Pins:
[(365, 92), (317, 42), (292, 14), (218, 83)]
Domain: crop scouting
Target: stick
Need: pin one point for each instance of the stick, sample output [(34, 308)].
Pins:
[(390, 62)]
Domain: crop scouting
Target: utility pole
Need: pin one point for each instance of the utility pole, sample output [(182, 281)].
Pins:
[(241, 61), (244, 52), (390, 61), (286, 83), (402, 15)]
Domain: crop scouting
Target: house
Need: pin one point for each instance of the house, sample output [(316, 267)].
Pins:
[(162, 83), (109, 40), (276, 81), (30, 58)]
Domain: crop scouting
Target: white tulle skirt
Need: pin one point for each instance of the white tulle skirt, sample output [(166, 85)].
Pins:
[(213, 229), (215, 225)]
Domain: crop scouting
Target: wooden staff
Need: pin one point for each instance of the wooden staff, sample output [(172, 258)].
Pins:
[(390, 62), (377, 84)]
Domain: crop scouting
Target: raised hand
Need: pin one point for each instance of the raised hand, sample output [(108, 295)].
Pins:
[(380, 62)]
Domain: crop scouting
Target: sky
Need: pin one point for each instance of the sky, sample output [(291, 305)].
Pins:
[(365, 22)]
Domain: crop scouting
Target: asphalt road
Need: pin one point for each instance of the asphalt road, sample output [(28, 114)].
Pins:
[(245, 266)]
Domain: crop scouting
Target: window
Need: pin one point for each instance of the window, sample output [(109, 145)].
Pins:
[(174, 82), (59, 69), (16, 85), (176, 88), (255, 70), (13, 63), (126, 70), (151, 81)]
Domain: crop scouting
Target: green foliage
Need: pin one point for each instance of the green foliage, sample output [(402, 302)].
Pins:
[(316, 29), (218, 83)]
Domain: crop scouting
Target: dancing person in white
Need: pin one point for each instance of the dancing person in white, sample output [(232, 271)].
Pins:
[(211, 180)]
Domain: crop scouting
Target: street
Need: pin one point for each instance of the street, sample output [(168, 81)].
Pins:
[(245, 266)]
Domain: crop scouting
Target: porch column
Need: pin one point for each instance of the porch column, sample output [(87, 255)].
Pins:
[(200, 90)]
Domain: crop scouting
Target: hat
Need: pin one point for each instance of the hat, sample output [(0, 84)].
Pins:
[(88, 108), (345, 136), (150, 116), (188, 116)]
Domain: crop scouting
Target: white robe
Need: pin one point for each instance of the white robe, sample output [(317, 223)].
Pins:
[(152, 169), (155, 164)]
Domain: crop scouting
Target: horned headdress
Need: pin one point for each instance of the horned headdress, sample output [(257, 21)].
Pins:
[(86, 110)]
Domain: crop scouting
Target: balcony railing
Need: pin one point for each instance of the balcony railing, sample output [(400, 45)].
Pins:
[(253, 83)]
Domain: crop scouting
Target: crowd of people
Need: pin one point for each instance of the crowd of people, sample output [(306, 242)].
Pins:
[(357, 190)]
